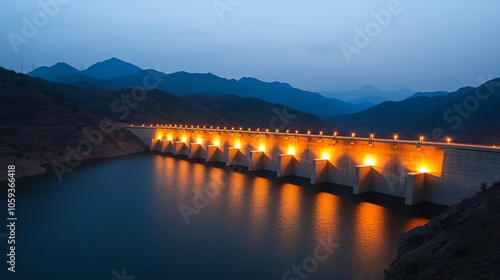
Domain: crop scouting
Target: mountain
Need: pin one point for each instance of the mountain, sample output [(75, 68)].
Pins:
[(111, 68), (437, 93), (108, 69), (369, 91), (39, 125), (201, 109), (54, 72), (426, 116), (114, 74), (372, 99)]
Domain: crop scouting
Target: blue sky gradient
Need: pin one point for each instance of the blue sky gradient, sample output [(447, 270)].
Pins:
[(423, 45)]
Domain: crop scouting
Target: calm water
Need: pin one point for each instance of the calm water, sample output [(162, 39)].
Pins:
[(124, 213)]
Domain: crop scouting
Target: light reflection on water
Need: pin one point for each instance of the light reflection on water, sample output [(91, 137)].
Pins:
[(125, 212)]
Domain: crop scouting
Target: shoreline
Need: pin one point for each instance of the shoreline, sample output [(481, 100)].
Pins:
[(49, 171)]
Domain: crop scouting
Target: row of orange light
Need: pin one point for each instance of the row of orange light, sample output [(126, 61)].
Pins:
[(335, 134)]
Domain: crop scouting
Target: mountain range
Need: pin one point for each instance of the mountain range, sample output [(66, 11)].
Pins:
[(369, 94), (115, 74), (231, 101)]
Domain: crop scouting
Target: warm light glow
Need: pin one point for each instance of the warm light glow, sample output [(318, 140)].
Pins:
[(262, 148), (237, 144), (325, 155), (291, 151), (395, 137), (169, 137), (353, 134), (159, 136), (199, 140), (448, 140), (423, 169), (369, 161), (216, 142), (184, 139)]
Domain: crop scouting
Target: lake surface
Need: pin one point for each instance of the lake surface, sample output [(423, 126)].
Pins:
[(122, 218)]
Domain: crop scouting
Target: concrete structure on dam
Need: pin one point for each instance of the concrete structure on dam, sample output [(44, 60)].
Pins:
[(418, 171)]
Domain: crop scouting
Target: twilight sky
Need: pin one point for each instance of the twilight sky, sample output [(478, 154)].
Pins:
[(314, 45)]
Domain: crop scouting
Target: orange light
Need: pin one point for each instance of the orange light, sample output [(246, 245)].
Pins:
[(169, 137), (395, 137), (199, 140), (369, 161), (448, 140), (262, 148), (353, 134), (216, 142), (423, 169), (183, 139), (237, 144), (291, 151), (325, 155)]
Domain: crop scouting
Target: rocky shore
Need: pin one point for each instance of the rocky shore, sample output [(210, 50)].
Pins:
[(34, 149), (461, 243)]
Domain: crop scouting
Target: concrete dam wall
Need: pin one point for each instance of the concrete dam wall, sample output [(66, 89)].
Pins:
[(418, 171)]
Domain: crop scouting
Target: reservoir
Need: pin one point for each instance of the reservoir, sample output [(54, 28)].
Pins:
[(153, 216)]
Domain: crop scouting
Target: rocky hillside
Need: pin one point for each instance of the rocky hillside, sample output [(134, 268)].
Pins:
[(461, 243), (40, 125)]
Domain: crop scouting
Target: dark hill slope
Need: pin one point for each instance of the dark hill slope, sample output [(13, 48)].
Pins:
[(208, 110), (426, 116), (461, 243), (38, 124)]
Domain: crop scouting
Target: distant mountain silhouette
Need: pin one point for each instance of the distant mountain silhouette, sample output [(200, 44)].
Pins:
[(107, 75), (373, 99), (108, 69), (111, 68), (369, 92), (54, 72), (437, 93), (423, 115)]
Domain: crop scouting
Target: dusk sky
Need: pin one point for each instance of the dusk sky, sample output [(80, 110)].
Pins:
[(423, 45)]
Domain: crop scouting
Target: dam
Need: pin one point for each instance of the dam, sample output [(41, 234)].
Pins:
[(418, 171)]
